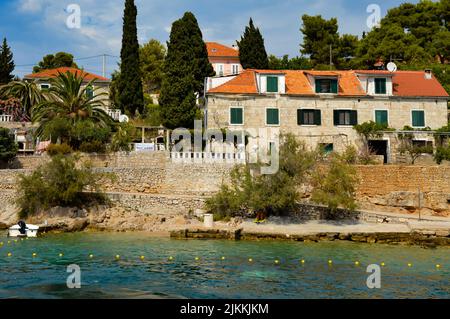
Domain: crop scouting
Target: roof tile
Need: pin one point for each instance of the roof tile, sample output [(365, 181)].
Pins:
[(52, 73), (406, 83)]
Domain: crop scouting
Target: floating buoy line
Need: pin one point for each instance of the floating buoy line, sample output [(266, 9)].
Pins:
[(250, 260)]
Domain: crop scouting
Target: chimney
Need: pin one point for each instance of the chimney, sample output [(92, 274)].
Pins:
[(428, 74)]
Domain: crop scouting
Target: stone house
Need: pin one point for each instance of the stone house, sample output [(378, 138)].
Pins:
[(321, 107), (43, 79)]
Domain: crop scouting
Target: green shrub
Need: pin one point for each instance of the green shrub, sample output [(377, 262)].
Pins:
[(442, 154), (122, 138), (336, 186), (59, 183), (93, 147), (8, 147), (275, 194), (59, 149)]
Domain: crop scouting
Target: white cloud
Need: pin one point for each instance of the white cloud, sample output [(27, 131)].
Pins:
[(32, 6)]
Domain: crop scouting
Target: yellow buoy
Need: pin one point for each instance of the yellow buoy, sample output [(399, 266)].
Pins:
[(9, 254), (277, 261), (409, 265), (438, 266), (117, 256), (302, 261), (223, 258), (197, 258), (170, 258), (330, 262), (61, 254), (383, 264), (34, 254), (357, 263), (9, 242), (91, 256), (250, 260), (142, 257)]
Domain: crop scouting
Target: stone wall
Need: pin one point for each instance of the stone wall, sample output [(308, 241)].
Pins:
[(150, 182), (117, 160)]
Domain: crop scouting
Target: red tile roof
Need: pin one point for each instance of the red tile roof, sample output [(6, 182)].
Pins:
[(52, 73), (219, 50), (406, 83), (414, 83)]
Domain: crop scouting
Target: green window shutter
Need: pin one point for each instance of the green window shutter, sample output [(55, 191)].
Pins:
[(236, 116), (381, 117), (318, 82), (336, 117), (90, 92), (317, 117), (300, 117), (418, 118), (272, 84), (353, 118), (334, 86), (380, 86), (272, 116)]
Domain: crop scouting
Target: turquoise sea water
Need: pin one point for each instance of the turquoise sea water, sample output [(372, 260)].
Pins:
[(103, 276)]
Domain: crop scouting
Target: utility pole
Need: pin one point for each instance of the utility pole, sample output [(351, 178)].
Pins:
[(104, 65), (331, 57)]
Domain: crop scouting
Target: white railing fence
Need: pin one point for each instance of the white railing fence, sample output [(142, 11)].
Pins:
[(114, 114), (6, 118), (204, 157)]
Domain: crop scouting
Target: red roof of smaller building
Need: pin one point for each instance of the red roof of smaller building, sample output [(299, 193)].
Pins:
[(52, 73), (219, 50)]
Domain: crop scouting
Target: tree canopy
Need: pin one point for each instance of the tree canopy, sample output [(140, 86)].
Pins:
[(50, 61), (185, 68), (252, 51), (131, 94), (6, 63), (152, 55)]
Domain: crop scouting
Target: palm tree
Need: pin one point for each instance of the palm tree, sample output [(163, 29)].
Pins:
[(27, 93), (68, 101)]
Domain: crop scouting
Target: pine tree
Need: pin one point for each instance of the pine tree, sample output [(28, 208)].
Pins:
[(252, 52), (6, 63), (185, 68), (131, 95)]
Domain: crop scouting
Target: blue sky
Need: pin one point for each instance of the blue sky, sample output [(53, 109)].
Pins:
[(38, 27)]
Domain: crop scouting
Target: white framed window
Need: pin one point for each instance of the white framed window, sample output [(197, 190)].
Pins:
[(44, 86), (235, 68), (272, 116), (236, 115), (220, 69)]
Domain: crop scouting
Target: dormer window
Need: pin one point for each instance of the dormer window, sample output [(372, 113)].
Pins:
[(272, 84), (329, 86), (380, 85)]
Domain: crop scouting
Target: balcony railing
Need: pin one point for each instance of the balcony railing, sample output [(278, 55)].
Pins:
[(6, 118), (204, 157), (114, 114)]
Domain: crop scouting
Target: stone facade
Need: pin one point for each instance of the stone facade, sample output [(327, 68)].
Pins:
[(254, 117)]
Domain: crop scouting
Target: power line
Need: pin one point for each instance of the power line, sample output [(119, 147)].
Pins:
[(75, 59)]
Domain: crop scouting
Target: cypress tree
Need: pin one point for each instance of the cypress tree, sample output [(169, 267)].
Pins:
[(131, 94), (6, 63), (252, 52), (185, 68)]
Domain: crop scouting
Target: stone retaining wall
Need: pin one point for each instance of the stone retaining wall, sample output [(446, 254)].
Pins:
[(390, 188)]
